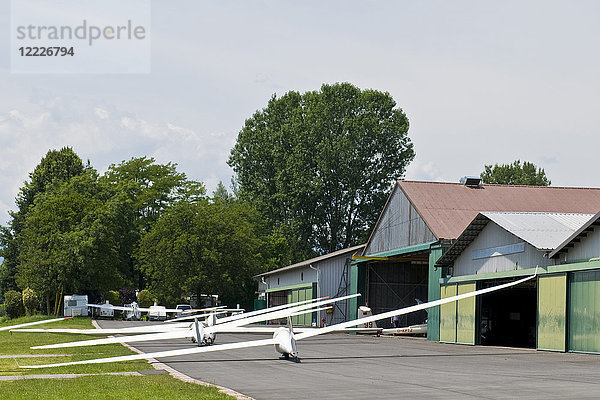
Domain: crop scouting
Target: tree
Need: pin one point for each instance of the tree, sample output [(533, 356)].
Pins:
[(515, 174), (14, 304), (56, 166), (31, 302), (221, 193), (70, 240), (127, 295), (205, 248), (145, 298), (10, 253), (151, 186), (319, 166), (112, 296)]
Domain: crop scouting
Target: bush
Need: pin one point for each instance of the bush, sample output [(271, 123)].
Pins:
[(113, 297), (13, 301), (127, 295), (145, 298), (2, 311), (31, 302)]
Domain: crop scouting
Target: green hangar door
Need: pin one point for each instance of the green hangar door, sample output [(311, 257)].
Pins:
[(508, 317), (457, 319), (552, 312), (301, 294), (584, 311)]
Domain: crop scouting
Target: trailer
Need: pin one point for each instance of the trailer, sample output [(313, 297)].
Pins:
[(76, 306)]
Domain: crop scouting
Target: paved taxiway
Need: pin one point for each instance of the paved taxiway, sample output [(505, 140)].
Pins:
[(339, 366)]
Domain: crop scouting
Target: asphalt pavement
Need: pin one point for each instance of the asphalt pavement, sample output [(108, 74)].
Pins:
[(340, 366)]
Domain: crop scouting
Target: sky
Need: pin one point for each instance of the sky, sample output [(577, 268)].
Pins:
[(481, 82)]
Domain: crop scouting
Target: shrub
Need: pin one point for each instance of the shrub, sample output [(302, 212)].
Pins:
[(113, 297), (127, 295), (145, 298), (31, 302), (13, 302), (2, 311)]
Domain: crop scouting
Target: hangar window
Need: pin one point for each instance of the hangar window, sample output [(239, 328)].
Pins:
[(278, 281), (301, 276)]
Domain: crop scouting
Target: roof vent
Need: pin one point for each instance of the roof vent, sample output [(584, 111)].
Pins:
[(470, 181)]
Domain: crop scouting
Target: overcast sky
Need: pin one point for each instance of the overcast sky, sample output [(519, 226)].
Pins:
[(480, 81)]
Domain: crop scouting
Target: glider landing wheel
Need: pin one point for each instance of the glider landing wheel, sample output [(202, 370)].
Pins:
[(284, 357)]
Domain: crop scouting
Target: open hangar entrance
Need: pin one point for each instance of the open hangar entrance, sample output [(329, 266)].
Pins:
[(508, 317), (504, 318), (397, 282)]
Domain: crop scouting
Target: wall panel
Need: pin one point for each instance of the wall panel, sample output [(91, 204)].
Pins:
[(465, 315), (584, 311), (552, 312), (448, 315)]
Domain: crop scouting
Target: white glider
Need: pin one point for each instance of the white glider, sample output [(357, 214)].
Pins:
[(284, 338), (169, 325), (251, 313), (45, 321), (206, 334)]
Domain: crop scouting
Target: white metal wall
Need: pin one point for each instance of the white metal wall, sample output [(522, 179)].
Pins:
[(494, 236), (330, 274), (589, 247), (296, 276)]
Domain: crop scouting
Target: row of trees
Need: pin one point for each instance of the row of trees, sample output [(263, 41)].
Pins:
[(516, 173), (141, 224)]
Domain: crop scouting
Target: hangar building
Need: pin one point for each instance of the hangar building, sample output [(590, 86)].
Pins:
[(560, 310), (421, 220), (327, 275)]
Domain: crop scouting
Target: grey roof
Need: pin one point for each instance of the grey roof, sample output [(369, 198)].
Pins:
[(579, 234), (315, 260), (544, 231)]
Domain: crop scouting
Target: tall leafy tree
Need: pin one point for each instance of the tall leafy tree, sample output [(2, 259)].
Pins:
[(221, 193), (206, 248), (319, 165), (517, 173), (151, 188), (70, 240), (56, 166)]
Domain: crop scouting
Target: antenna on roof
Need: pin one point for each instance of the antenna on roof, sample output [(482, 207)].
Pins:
[(471, 181)]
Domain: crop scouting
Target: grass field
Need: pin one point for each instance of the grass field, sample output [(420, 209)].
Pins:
[(89, 387)]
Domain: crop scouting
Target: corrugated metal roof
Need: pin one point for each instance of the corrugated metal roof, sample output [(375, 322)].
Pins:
[(354, 249), (577, 235), (448, 208), (545, 231)]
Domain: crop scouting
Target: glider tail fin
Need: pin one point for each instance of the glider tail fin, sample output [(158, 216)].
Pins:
[(364, 311)]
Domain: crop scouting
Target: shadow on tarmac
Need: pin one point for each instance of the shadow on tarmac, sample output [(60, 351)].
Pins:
[(387, 356)]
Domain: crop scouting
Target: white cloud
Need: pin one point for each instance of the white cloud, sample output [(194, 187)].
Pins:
[(104, 135), (102, 114), (424, 171)]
